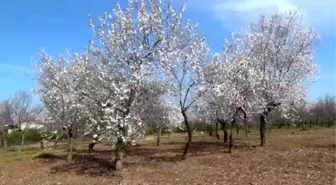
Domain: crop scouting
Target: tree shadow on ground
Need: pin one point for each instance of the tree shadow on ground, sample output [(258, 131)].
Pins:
[(99, 162), (211, 147), (86, 165)]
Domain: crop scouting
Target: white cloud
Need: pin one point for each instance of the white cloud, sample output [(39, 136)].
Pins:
[(238, 13)]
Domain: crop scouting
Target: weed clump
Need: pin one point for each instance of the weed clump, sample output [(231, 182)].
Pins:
[(44, 155)]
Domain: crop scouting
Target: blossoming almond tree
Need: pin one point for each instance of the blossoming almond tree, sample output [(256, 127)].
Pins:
[(188, 54), (156, 112), (135, 40), (109, 90), (232, 81), (109, 75), (281, 49), (56, 87), (266, 66), (215, 109), (94, 90)]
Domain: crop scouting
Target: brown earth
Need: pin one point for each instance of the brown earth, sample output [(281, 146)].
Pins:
[(292, 157)]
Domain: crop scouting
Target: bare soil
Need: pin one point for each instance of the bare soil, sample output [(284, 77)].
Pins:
[(291, 157)]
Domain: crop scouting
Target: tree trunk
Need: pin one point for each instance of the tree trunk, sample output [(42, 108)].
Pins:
[(41, 144), (279, 125), (70, 145), (310, 124), (5, 139), (231, 143), (231, 137), (303, 126), (217, 134), (210, 131), (158, 140), (56, 141), (186, 148), (262, 131), (225, 136), (246, 126), (225, 133), (318, 123), (119, 154), (329, 123), (91, 146), (22, 139), (238, 128)]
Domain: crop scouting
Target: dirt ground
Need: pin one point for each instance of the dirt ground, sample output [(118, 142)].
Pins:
[(291, 157)]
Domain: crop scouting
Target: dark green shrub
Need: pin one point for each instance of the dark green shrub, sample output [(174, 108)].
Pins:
[(14, 137), (31, 135), (44, 155)]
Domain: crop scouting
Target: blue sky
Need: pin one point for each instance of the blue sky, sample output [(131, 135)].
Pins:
[(27, 27)]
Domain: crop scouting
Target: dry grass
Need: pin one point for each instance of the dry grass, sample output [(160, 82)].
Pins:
[(302, 157)]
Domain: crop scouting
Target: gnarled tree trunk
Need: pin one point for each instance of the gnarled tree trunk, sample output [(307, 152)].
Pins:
[(224, 127), (91, 146), (121, 145), (119, 154), (225, 133), (210, 130), (263, 123), (186, 148), (233, 122), (93, 142), (231, 136), (70, 145)]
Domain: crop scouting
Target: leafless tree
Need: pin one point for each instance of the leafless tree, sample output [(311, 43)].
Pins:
[(5, 121), (324, 110), (19, 111)]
